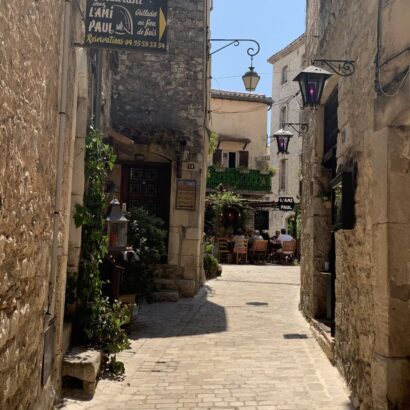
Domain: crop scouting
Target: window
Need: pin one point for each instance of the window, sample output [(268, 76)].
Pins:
[(283, 116), (282, 174), (230, 159), (285, 71)]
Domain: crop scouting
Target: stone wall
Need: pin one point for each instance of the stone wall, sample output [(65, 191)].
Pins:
[(371, 348), (30, 69), (166, 89), (170, 90), (292, 57)]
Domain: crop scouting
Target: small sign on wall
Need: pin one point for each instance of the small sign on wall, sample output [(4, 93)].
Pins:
[(186, 194)]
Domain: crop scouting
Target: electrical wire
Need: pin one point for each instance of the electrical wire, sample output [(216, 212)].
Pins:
[(378, 84), (261, 107)]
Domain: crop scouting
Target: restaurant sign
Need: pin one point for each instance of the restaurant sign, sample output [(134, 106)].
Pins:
[(286, 204), (127, 24)]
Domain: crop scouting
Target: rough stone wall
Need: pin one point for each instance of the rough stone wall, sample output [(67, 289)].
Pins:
[(347, 30), (29, 60), (372, 344), (30, 73), (166, 89)]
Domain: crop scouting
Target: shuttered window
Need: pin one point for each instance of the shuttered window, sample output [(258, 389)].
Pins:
[(243, 158)]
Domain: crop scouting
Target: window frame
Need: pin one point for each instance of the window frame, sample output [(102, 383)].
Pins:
[(285, 75)]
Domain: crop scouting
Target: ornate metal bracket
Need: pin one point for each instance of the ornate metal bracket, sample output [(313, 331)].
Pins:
[(303, 127), (252, 52), (344, 68)]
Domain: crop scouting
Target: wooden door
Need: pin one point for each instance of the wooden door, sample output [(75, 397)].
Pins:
[(148, 186)]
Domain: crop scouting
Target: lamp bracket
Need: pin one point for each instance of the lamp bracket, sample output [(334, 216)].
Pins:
[(344, 68), (303, 127), (252, 52)]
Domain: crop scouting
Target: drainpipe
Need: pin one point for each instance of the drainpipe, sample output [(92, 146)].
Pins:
[(60, 159)]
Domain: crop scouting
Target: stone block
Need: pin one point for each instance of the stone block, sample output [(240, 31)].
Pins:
[(83, 364), (186, 287)]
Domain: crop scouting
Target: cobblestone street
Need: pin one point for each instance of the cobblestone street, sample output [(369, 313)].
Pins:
[(231, 347)]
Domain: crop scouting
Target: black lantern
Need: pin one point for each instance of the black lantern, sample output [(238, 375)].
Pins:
[(283, 137), (251, 79), (312, 82), (117, 226)]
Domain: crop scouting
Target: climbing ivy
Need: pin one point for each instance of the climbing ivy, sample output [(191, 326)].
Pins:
[(98, 322)]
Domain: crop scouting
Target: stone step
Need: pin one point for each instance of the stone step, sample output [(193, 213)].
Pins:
[(165, 296), (82, 364), (170, 271), (166, 284)]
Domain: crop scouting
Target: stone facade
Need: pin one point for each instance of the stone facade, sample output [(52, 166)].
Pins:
[(371, 263), (31, 77), (286, 63), (167, 93), (241, 115)]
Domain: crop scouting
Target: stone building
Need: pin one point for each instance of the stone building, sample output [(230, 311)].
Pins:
[(159, 109), (356, 195), (286, 109), (43, 118), (240, 161)]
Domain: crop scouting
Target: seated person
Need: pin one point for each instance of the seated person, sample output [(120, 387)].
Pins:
[(239, 236), (284, 236)]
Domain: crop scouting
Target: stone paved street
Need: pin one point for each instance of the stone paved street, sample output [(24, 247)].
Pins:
[(231, 347)]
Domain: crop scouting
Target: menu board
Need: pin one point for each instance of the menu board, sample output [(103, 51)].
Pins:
[(127, 24), (186, 194)]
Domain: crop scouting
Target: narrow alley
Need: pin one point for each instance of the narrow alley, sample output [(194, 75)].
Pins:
[(241, 343)]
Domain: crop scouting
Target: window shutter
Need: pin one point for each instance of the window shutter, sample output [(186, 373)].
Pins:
[(217, 158), (243, 158)]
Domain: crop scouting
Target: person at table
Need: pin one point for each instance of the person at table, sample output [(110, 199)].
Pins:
[(284, 236), (255, 237), (237, 238)]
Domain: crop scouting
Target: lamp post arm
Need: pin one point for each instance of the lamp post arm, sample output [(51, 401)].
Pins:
[(344, 68), (252, 51)]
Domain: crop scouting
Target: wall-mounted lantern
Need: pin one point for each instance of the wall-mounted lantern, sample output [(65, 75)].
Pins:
[(282, 138), (312, 79), (117, 226)]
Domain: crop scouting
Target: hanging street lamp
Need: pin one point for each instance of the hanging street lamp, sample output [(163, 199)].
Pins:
[(250, 78), (283, 138), (312, 79)]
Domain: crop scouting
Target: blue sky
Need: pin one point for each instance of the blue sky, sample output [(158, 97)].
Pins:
[(273, 23)]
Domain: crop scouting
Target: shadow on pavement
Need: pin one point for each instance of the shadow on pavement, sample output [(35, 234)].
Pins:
[(187, 317)]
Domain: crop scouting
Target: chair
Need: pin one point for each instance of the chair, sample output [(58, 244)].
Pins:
[(259, 251), (223, 252), (240, 250), (288, 251)]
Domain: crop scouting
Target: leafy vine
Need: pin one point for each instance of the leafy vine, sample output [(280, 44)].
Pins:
[(98, 322)]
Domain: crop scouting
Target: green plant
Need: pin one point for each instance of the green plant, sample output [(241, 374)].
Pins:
[(211, 265), (147, 235), (213, 141), (225, 213), (115, 366), (98, 323)]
